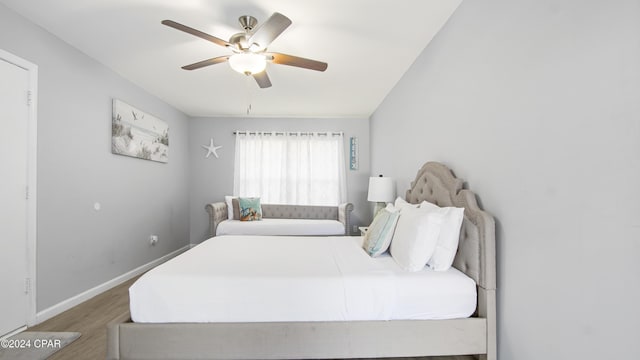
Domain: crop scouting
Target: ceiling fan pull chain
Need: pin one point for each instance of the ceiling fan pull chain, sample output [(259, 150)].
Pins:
[(247, 88)]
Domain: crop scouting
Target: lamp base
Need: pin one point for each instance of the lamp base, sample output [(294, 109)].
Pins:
[(379, 206)]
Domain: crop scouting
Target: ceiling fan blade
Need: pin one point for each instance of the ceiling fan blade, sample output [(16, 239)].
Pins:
[(291, 60), (270, 30), (203, 63), (262, 79), (197, 33)]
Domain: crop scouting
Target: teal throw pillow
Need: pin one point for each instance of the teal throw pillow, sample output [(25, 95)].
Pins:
[(250, 209), (378, 237)]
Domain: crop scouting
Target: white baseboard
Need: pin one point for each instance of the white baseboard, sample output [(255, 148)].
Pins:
[(16, 331), (82, 297)]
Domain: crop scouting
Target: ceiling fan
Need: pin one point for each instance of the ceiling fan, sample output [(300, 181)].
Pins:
[(249, 48)]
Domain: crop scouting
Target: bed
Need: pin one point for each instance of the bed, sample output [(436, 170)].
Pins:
[(266, 334)]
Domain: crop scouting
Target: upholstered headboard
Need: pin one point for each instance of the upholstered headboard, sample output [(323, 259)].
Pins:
[(437, 184)]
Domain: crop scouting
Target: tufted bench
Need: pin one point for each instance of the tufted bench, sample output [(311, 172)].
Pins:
[(291, 220)]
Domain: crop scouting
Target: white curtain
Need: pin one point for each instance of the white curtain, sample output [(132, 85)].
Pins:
[(291, 168)]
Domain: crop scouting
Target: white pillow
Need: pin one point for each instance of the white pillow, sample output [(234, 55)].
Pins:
[(378, 237), (447, 245), (228, 201), (401, 204), (415, 238)]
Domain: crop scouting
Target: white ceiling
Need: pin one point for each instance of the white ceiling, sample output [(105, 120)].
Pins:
[(367, 44)]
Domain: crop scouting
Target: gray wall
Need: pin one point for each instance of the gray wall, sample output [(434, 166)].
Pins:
[(212, 179), (537, 105), (78, 247)]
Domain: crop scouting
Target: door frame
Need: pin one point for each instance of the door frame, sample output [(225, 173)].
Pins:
[(32, 168)]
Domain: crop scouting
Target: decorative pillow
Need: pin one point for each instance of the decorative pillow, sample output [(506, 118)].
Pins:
[(402, 204), (228, 200), (415, 238), (236, 208), (378, 237), (449, 237), (250, 209)]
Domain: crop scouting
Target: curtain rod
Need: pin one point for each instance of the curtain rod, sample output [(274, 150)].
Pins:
[(284, 133)]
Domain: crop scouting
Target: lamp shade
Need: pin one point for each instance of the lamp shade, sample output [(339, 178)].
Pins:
[(381, 189)]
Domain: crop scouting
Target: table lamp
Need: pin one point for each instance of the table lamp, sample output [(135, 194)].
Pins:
[(381, 191)]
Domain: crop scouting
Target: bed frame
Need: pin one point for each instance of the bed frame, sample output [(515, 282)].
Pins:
[(356, 339)]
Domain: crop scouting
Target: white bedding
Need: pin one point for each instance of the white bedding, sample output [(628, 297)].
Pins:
[(269, 278), (269, 226)]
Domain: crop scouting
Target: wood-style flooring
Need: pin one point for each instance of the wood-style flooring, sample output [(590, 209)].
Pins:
[(91, 317)]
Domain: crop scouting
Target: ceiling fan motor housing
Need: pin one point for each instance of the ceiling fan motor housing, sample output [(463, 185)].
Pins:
[(241, 40)]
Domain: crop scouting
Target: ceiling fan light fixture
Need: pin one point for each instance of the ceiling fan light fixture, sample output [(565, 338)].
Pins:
[(249, 48), (248, 63)]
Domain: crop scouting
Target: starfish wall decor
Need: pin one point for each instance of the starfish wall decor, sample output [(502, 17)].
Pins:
[(212, 149)]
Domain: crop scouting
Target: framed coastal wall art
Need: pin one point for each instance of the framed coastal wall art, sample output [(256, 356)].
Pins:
[(138, 134)]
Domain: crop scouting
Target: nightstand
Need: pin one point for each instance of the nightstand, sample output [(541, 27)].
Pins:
[(363, 230)]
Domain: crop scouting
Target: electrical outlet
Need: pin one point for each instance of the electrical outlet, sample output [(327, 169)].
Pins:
[(153, 239), (354, 229)]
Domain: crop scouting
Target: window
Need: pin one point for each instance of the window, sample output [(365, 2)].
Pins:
[(291, 168)]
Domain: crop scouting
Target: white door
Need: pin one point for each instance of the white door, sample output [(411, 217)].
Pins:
[(14, 116)]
